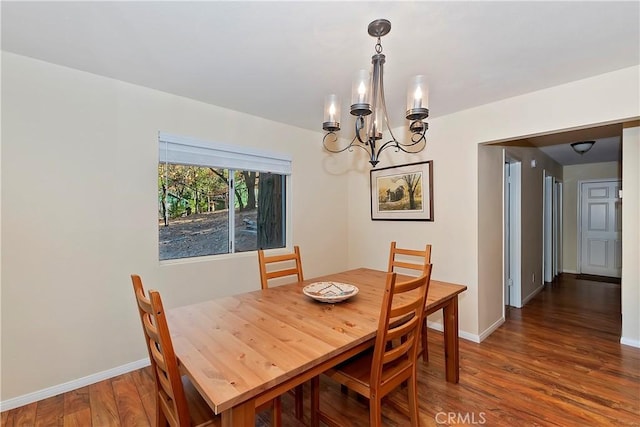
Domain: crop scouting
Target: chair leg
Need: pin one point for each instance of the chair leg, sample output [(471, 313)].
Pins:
[(315, 401), (375, 412), (299, 401), (276, 413), (161, 419), (425, 343), (413, 400)]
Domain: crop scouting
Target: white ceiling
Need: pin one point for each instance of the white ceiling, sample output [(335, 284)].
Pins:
[(604, 150), (278, 60)]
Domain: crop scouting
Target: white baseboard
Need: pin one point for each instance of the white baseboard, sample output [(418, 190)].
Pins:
[(469, 337), (491, 329), (570, 271), (462, 334), (72, 385), (535, 292), (630, 342)]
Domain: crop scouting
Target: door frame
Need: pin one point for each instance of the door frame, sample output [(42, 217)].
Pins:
[(558, 225), (547, 227), (512, 231), (579, 216), (551, 226)]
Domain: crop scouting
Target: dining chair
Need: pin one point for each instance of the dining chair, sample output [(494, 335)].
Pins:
[(401, 260), (178, 402), (373, 374), (275, 267)]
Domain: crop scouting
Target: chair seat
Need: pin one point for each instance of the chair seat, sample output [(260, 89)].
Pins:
[(355, 373)]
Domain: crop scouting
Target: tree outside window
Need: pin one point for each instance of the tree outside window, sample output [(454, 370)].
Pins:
[(207, 211)]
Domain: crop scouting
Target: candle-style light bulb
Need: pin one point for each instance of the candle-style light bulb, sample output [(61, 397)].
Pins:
[(332, 113), (361, 92), (417, 98)]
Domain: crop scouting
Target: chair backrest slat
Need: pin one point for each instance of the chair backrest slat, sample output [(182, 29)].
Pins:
[(410, 259), (292, 266)]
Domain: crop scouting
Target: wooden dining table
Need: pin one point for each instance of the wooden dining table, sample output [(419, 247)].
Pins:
[(244, 350)]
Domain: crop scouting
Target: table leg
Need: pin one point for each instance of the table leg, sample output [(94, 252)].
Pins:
[(299, 401), (241, 415), (451, 353), (315, 401)]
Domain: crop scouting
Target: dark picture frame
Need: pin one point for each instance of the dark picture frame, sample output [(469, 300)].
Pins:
[(402, 192)]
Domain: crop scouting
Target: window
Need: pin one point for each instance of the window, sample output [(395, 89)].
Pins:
[(218, 199)]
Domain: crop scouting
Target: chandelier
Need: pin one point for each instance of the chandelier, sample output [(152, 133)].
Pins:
[(368, 105)]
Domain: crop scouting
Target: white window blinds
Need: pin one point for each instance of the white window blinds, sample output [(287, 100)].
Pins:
[(190, 151)]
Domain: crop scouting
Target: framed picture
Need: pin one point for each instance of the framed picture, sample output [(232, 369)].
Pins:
[(403, 193)]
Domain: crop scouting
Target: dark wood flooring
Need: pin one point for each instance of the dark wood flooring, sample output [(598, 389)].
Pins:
[(556, 362)]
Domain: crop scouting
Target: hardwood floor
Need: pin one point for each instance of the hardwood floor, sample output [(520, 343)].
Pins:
[(556, 362)]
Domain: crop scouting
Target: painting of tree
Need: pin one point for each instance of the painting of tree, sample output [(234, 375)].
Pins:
[(402, 192)]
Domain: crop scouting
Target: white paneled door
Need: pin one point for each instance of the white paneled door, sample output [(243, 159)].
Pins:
[(600, 228)]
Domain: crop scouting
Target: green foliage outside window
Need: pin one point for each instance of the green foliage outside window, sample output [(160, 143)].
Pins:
[(193, 211)]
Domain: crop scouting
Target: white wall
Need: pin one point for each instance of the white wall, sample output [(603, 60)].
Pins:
[(631, 237), (452, 145), (79, 215), (572, 176)]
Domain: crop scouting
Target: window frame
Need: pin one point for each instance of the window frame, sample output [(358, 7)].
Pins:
[(177, 149)]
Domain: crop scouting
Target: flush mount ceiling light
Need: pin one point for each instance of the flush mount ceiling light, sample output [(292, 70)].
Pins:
[(368, 105), (582, 146)]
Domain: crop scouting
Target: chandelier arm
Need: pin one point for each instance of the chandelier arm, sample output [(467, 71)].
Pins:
[(324, 142), (401, 147), (416, 138), (390, 143), (363, 147), (359, 126), (420, 137)]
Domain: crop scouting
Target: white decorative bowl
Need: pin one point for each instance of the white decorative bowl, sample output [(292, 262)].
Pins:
[(330, 291)]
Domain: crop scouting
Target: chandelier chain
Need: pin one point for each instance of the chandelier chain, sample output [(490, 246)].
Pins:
[(379, 46)]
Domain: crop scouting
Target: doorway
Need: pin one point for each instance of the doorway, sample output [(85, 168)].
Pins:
[(552, 228), (512, 232)]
